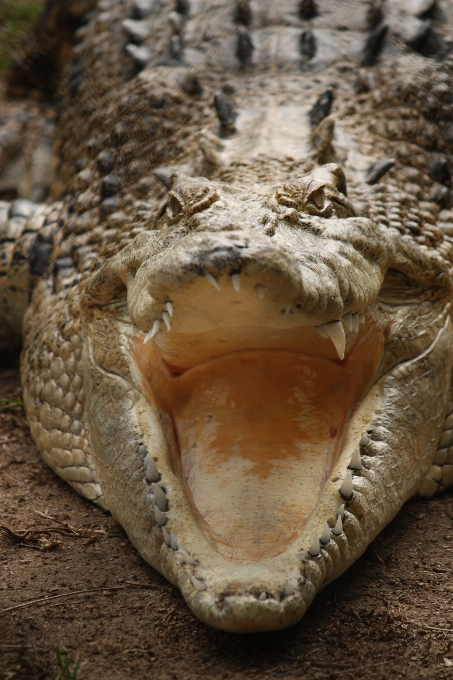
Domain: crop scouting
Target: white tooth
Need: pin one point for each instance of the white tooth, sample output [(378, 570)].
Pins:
[(173, 541), (152, 473), (325, 536), (135, 330), (155, 328), (185, 558), (236, 280), (188, 559), (166, 536), (335, 331), (315, 547), (340, 512), (212, 281), (160, 496), (142, 451), (355, 322), (364, 439), (356, 461), (362, 318), (288, 309), (197, 584), (347, 320), (166, 318), (159, 517), (322, 331), (346, 488), (262, 597), (338, 528), (169, 306), (153, 332), (260, 290)]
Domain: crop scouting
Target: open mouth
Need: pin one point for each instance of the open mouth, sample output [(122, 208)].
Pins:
[(255, 402)]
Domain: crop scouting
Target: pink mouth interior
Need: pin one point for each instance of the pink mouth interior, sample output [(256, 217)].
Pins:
[(255, 434)]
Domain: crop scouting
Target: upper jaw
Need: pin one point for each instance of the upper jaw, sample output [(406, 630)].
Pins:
[(312, 281)]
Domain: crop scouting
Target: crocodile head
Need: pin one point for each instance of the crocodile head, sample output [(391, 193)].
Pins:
[(257, 366)]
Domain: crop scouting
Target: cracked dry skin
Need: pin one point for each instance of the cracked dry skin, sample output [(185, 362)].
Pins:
[(238, 337)]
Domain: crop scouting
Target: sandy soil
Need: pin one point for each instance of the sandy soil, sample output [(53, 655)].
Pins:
[(390, 616)]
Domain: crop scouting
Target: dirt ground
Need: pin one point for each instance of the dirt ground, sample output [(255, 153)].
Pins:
[(390, 616)]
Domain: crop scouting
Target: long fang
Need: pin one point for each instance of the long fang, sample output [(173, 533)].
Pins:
[(153, 332), (325, 536), (236, 280), (166, 319), (315, 547), (338, 528), (335, 331), (356, 461), (346, 488), (212, 280)]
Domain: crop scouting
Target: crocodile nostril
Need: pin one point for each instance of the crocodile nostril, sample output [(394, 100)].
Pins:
[(174, 207), (318, 198)]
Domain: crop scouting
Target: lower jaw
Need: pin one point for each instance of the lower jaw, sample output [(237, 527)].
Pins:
[(255, 435)]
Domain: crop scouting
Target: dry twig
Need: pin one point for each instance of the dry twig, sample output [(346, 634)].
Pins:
[(42, 539), (424, 626), (127, 585), (361, 668)]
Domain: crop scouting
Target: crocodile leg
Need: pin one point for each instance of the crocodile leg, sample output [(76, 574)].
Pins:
[(54, 396), (51, 369)]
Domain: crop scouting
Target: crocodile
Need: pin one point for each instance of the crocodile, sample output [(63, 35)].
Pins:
[(234, 294)]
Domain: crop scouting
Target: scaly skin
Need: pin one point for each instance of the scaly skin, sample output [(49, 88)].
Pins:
[(249, 367)]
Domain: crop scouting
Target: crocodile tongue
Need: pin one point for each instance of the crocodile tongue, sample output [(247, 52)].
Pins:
[(255, 435)]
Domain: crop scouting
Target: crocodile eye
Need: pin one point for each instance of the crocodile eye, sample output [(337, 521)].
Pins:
[(318, 198), (174, 207)]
